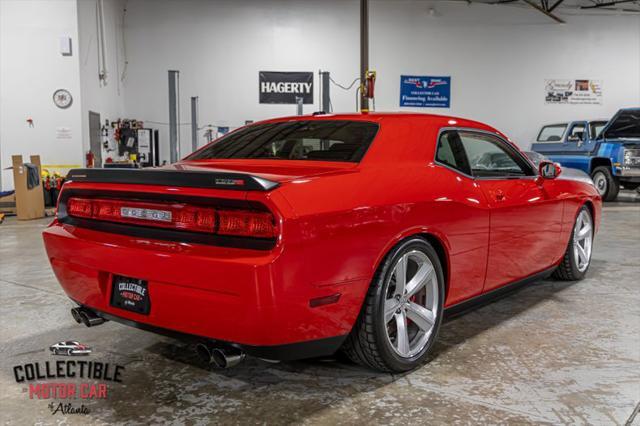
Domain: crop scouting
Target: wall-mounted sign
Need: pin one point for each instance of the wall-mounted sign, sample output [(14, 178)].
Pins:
[(425, 91), (284, 87), (573, 92), (63, 133)]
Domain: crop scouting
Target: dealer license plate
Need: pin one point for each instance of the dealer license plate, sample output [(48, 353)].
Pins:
[(131, 294)]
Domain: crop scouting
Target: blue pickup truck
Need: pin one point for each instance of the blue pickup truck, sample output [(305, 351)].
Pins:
[(609, 151)]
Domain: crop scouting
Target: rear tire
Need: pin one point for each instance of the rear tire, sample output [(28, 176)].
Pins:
[(607, 185), (392, 305), (577, 258)]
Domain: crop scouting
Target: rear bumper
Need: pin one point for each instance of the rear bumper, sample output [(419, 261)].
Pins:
[(286, 352), (242, 297)]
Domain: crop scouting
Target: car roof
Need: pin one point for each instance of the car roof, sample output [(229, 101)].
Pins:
[(384, 116), (566, 123), (396, 130)]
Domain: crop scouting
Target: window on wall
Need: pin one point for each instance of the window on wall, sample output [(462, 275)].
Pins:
[(489, 156)]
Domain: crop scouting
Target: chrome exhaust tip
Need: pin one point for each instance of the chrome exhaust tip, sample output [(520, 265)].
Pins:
[(86, 317), (204, 352), (75, 313), (218, 357)]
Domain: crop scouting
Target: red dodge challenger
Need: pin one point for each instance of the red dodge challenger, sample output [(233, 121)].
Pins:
[(298, 237)]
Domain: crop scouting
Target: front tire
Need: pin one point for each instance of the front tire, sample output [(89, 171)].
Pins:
[(577, 258), (402, 312), (607, 185)]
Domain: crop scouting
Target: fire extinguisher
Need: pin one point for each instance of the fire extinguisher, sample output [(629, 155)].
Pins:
[(90, 159), (369, 84), (46, 180)]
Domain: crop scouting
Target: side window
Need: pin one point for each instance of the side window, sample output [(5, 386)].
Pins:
[(552, 133), (451, 153), (596, 127), (577, 133), (491, 157)]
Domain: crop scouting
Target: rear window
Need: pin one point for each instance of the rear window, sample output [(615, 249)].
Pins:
[(552, 133), (326, 140)]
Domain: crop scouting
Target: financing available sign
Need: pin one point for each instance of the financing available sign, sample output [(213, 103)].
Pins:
[(425, 91), (280, 87), (573, 92)]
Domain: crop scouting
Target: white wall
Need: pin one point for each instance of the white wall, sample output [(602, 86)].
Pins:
[(106, 97), (499, 56), (31, 69), (220, 46)]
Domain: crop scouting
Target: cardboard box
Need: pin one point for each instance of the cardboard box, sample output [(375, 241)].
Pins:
[(29, 201)]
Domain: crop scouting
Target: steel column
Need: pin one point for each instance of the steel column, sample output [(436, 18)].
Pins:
[(174, 149), (325, 96), (194, 123), (299, 105), (364, 51)]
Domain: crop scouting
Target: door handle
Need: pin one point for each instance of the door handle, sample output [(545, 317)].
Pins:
[(500, 195)]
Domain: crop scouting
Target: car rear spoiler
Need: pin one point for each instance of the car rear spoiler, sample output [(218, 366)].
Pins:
[(173, 177)]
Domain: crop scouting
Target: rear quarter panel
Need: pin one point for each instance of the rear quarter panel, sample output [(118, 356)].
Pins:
[(344, 225)]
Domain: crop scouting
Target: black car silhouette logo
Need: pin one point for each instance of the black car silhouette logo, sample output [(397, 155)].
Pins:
[(70, 348)]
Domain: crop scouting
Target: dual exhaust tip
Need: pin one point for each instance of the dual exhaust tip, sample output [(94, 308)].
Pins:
[(86, 317), (219, 357), (215, 356)]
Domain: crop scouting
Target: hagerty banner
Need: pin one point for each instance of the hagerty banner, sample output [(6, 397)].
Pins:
[(284, 87), (425, 91), (573, 92)]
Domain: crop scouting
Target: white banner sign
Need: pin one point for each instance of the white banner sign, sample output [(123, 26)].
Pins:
[(573, 92)]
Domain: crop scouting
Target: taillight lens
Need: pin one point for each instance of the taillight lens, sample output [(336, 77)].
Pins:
[(179, 216), (247, 224)]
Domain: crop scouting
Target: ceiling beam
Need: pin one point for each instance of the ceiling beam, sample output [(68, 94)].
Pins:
[(609, 3), (542, 10), (556, 4)]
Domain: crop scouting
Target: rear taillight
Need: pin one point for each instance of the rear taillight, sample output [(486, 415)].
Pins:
[(246, 224), (179, 216)]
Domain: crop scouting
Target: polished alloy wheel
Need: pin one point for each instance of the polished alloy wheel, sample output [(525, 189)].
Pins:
[(582, 240), (411, 303), (600, 182)]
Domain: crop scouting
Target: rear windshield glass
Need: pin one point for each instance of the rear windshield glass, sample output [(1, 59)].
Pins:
[(326, 140), (552, 133)]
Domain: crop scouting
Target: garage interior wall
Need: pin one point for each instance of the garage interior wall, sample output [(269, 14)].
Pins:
[(219, 48), (104, 96), (498, 58), (31, 70)]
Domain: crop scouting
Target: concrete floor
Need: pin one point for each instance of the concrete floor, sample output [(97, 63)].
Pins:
[(554, 352)]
